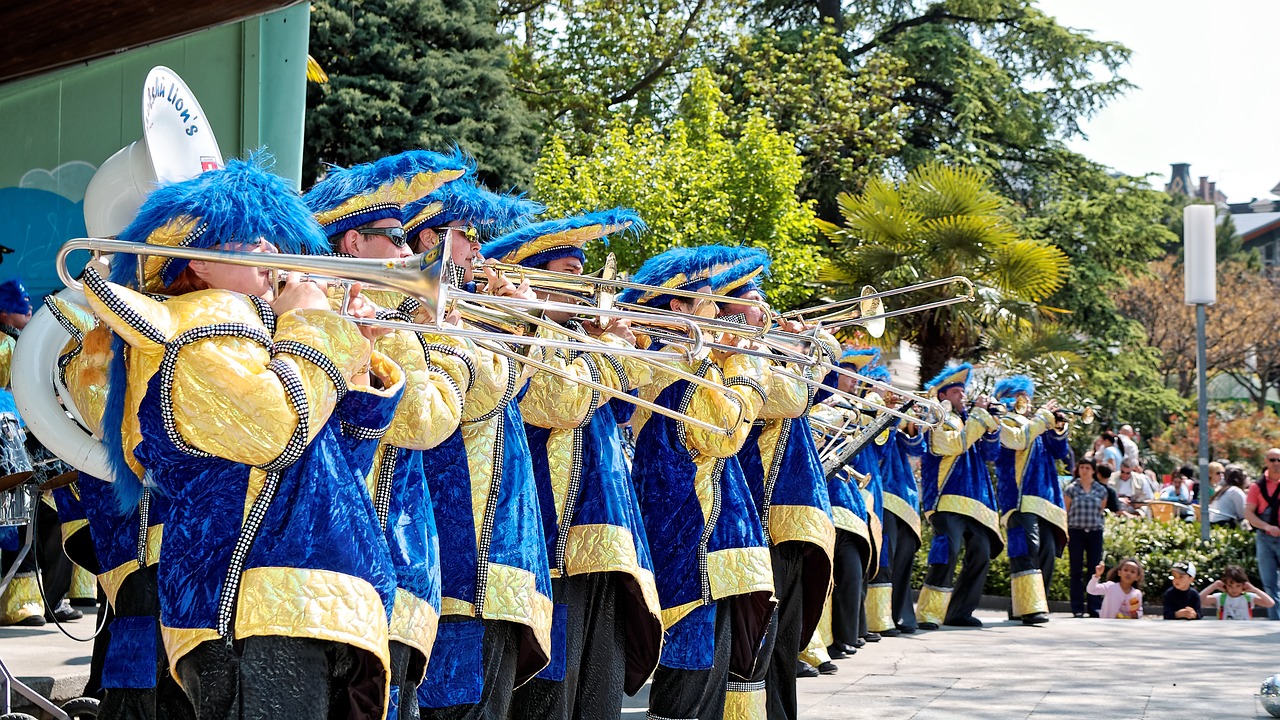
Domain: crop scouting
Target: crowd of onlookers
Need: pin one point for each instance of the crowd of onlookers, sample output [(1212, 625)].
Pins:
[(1110, 479)]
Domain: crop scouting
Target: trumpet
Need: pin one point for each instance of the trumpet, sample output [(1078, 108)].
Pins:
[(1086, 414), (867, 309)]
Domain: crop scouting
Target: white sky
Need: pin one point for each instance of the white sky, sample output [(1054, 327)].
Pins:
[(1205, 91)]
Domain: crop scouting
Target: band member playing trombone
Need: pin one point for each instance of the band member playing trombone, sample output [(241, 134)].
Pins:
[(496, 611), (428, 413), (242, 405), (607, 627), (1029, 496), (958, 500), (781, 466), (710, 555), (901, 531)]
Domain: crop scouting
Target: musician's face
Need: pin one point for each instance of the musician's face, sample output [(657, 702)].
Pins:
[(955, 396), (15, 320), (753, 313), (570, 265), (369, 244), (701, 307), (847, 384), (236, 278), (464, 246)]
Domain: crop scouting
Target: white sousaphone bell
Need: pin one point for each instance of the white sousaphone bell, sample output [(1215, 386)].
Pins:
[(177, 144)]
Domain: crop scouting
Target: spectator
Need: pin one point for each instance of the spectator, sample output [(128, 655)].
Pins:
[(1132, 488), (1180, 601), (1127, 443), (1234, 596), (1178, 490), (1121, 593), (1113, 501), (1085, 499), (1217, 471), (1226, 505), (1105, 451), (1261, 508)]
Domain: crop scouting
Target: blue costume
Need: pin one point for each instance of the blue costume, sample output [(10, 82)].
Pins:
[(1030, 498), (958, 499), (901, 521)]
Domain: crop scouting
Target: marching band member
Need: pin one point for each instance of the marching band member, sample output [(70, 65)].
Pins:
[(496, 611), (428, 413), (780, 463), (879, 602), (959, 503), (710, 555), (240, 406), (1030, 497), (607, 628), (901, 531)]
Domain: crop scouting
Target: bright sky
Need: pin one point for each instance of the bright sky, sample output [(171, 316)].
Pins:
[(1205, 92)]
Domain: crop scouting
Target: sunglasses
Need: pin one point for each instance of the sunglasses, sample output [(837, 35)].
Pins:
[(394, 234), (1273, 459), (470, 232)]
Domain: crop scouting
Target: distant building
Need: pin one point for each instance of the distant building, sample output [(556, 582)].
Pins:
[(1257, 222)]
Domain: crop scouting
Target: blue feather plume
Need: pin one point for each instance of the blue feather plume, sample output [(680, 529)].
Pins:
[(946, 373), (692, 261), (343, 184), (848, 355), (748, 260), (514, 240), (1008, 388)]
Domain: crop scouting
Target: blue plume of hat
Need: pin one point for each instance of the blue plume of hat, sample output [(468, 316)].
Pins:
[(879, 373), (694, 262), (749, 261), (14, 298), (465, 200), (343, 184), (847, 356), (240, 202), (516, 239), (947, 372), (1007, 389)]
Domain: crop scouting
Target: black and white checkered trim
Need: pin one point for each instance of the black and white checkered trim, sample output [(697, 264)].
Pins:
[(118, 307), (144, 520), (624, 380), (265, 313), (360, 432), (744, 687), (297, 393), (748, 382), (775, 466), (383, 486), (451, 351), (244, 542), (490, 513)]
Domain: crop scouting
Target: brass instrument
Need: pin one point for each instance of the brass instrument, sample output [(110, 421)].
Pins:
[(933, 411), (1086, 414), (868, 309)]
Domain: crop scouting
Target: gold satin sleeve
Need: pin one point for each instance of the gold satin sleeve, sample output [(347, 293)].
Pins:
[(7, 344), (639, 372), (490, 385), (736, 409), (555, 402), (785, 397), (431, 406), (955, 436), (1017, 432), (85, 373)]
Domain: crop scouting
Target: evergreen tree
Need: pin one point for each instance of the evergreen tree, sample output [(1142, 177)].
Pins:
[(407, 74)]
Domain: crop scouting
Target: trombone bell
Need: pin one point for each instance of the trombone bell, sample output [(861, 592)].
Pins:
[(871, 308)]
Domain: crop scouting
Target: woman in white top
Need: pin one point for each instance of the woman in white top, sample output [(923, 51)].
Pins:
[(1226, 506)]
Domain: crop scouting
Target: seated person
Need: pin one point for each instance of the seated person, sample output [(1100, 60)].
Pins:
[(1234, 596), (1180, 601), (1226, 505)]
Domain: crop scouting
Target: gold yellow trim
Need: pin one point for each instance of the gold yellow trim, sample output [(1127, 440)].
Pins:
[(673, 615), (413, 622), (749, 705), (72, 527), (879, 606), (739, 571), (1027, 589), (802, 523), (846, 520), (455, 606), (180, 641), (155, 538), (730, 287), (112, 579), (1046, 509), (399, 192), (609, 548), (973, 508), (575, 237), (512, 595), (931, 606), (904, 512)]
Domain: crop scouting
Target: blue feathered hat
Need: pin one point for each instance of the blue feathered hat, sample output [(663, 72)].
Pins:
[(878, 372), (680, 268), (950, 377), (1007, 389), (467, 201), (241, 202), (860, 358), (538, 244), (352, 197), (14, 298), (739, 276)]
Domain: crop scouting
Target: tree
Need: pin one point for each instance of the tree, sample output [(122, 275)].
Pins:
[(694, 183), (407, 74), (938, 222)]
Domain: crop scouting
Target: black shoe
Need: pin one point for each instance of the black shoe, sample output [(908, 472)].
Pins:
[(928, 626), (968, 621), (1094, 614), (871, 637), (30, 621), (828, 668), (906, 629), (860, 642), (805, 670), (84, 602), (1077, 615), (891, 632), (1035, 619), (837, 652)]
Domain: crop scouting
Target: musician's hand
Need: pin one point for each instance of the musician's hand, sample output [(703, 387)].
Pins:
[(358, 306), (300, 293), (982, 401), (454, 318), (617, 327), (792, 326), (730, 340), (1052, 406)]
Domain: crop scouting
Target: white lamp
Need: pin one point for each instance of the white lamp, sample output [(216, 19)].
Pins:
[(1199, 255)]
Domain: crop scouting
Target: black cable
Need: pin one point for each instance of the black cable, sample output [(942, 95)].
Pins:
[(44, 600)]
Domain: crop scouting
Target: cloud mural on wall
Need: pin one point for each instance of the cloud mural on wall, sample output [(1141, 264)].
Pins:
[(45, 210)]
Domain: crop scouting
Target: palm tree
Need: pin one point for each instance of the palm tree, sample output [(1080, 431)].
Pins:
[(941, 221)]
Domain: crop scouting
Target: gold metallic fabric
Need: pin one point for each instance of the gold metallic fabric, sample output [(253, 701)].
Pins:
[(7, 344), (413, 622), (609, 548), (431, 406), (904, 512), (21, 599), (744, 704), (1046, 509), (804, 523), (879, 607), (931, 607), (739, 571), (86, 371), (845, 519), (1027, 588), (513, 596), (973, 508), (787, 397)]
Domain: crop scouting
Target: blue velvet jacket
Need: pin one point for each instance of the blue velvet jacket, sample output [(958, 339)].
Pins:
[(953, 472), (1026, 469), (101, 538), (901, 492)]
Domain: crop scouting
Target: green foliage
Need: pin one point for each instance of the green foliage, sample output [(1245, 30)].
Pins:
[(1128, 388), (1237, 432), (407, 74), (938, 222), (695, 182)]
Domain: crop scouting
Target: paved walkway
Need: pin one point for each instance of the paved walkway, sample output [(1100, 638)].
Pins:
[(1099, 669)]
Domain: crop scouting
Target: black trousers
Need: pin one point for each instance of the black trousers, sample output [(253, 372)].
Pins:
[(500, 646), (137, 597), (404, 690), (46, 553), (1042, 546), (1084, 552), (776, 667), (595, 655), (905, 545), (961, 531), (848, 613), (678, 693)]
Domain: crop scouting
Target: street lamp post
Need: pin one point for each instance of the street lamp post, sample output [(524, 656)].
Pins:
[(1200, 288)]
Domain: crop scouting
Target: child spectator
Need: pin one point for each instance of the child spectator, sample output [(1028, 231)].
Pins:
[(1180, 601), (1121, 597), (1234, 596)]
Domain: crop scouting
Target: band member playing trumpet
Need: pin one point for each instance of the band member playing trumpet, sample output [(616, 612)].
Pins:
[(607, 627), (496, 611), (781, 466), (1029, 496), (710, 556), (958, 500), (428, 413), (243, 407)]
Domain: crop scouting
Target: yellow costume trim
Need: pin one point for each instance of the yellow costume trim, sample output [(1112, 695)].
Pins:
[(413, 622), (803, 523), (431, 406), (180, 641), (730, 287), (576, 237), (398, 192), (1027, 589), (744, 704), (1046, 509), (512, 595), (155, 537), (428, 211), (845, 519), (673, 615), (879, 607), (71, 528), (609, 548), (815, 653), (973, 508), (112, 579), (21, 600), (739, 571), (480, 439), (904, 512), (455, 606), (86, 372), (7, 344), (931, 606), (83, 585)]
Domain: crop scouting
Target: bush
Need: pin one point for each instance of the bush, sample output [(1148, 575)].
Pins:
[(1156, 545)]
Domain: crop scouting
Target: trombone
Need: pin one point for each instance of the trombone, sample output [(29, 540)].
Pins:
[(933, 410), (868, 308)]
